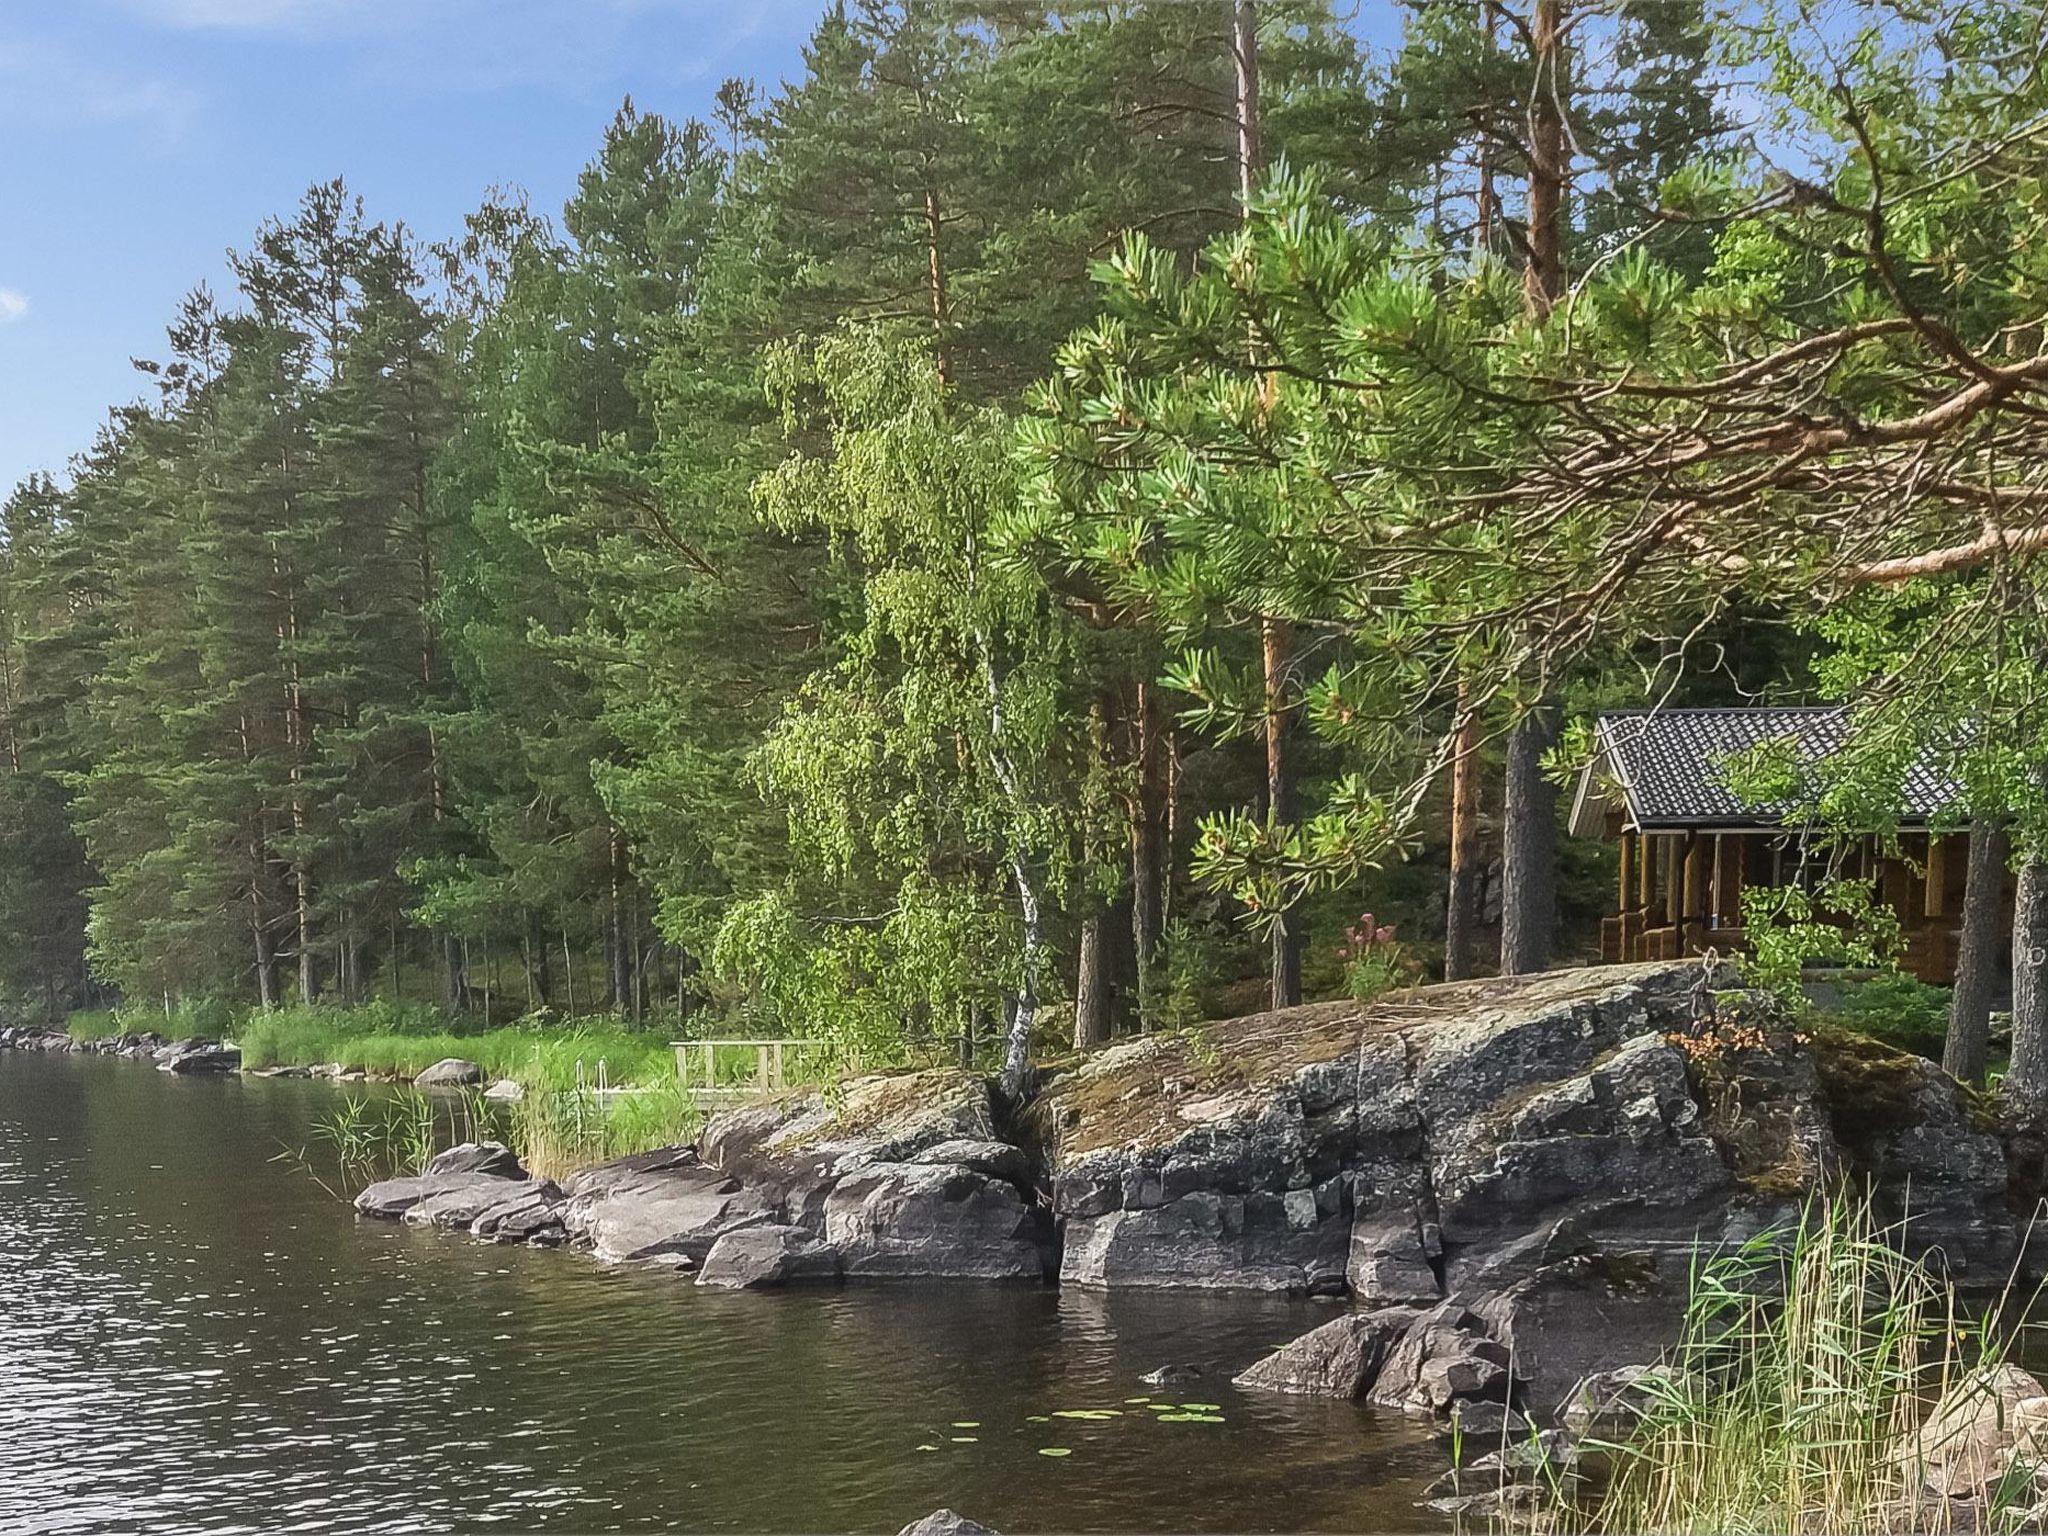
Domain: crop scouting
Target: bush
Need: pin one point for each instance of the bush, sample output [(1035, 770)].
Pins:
[(1898, 1009)]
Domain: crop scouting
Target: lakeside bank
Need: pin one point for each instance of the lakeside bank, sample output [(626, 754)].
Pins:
[(1507, 1182)]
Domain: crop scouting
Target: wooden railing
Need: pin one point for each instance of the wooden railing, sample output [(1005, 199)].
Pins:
[(697, 1065)]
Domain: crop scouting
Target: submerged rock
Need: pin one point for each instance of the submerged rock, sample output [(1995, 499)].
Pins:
[(1173, 1376), (450, 1072), (943, 1522)]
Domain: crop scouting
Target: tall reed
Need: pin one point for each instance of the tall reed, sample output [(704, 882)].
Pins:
[(1797, 1397)]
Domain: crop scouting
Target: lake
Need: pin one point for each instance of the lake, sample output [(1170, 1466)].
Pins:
[(196, 1336)]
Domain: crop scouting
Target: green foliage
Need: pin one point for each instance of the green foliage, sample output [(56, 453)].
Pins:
[(1840, 922), (1899, 1009), (1182, 988), (1375, 961), (557, 1130)]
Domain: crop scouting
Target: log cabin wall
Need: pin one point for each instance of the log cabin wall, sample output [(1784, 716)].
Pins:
[(1679, 891)]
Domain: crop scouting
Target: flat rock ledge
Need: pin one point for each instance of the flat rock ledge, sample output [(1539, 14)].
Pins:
[(902, 1178)]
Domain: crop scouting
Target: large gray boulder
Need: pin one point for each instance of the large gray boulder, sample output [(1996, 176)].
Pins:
[(1343, 1358), (768, 1255), (1455, 1141), (660, 1208), (1421, 1360), (392, 1199), (456, 1188), (926, 1221), (1577, 1317), (450, 1072), (492, 1157), (466, 1201), (900, 1176), (199, 1058)]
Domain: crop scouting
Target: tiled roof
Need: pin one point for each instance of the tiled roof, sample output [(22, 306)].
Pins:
[(1671, 764)]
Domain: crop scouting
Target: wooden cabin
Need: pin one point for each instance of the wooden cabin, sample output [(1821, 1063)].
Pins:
[(1689, 848)]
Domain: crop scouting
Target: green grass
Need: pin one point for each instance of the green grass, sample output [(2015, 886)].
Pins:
[(402, 1040), (560, 1124), (96, 1024)]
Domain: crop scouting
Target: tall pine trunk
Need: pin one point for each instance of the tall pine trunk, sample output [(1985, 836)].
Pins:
[(1528, 846), (1092, 983), (1148, 838), (1275, 635), (1963, 1052), (2027, 1080), (1528, 799), (1462, 900)]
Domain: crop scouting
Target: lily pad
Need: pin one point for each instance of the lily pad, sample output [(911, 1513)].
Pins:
[(967, 1423), (1036, 1418), (1087, 1413), (1137, 1399), (967, 1439), (1202, 1407), (1054, 1450), (927, 1447)]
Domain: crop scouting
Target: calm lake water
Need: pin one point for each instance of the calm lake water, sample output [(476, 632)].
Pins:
[(194, 1337)]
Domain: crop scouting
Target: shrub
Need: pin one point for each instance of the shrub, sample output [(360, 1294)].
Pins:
[(1898, 1009)]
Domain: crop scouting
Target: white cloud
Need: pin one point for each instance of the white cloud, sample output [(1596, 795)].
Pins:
[(13, 304)]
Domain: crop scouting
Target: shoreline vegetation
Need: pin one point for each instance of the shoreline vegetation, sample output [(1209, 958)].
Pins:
[(589, 1089)]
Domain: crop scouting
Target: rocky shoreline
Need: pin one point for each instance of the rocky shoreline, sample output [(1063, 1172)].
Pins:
[(1504, 1184)]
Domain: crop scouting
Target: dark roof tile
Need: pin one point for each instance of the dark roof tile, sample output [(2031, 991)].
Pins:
[(1672, 763)]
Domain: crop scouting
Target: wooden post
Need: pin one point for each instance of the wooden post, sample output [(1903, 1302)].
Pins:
[(1674, 881), (1693, 899), (1934, 899), (1717, 894), (1625, 884)]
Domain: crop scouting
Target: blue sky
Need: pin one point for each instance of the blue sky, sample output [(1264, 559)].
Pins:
[(140, 139)]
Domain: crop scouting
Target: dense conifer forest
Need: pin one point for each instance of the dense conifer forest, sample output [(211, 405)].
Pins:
[(1042, 520)]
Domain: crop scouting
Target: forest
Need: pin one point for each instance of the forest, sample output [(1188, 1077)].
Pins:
[(1065, 518)]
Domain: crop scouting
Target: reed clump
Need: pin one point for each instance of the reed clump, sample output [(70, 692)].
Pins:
[(1823, 1384)]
